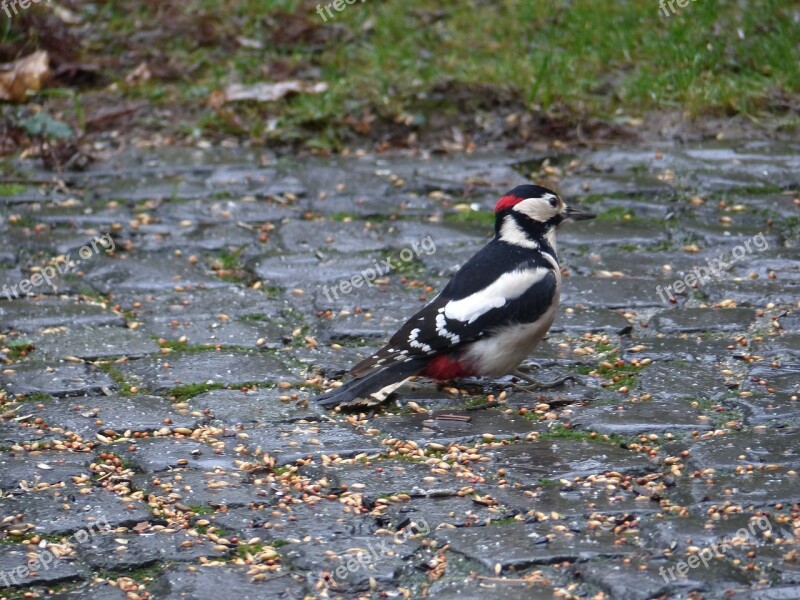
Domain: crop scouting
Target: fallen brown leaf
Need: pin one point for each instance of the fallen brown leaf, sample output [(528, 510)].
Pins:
[(107, 115), (25, 75), (141, 74)]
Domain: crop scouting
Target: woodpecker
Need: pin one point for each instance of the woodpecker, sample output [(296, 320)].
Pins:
[(491, 314)]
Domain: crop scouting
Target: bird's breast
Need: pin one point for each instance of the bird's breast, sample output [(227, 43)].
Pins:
[(501, 351)]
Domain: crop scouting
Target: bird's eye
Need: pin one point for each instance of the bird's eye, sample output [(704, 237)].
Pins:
[(553, 201)]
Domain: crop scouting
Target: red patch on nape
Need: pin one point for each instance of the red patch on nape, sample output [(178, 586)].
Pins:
[(445, 367), (506, 202)]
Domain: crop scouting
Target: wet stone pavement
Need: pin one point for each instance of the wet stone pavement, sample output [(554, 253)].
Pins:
[(156, 436)]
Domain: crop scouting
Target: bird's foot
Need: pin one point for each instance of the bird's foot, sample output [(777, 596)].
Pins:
[(535, 384)]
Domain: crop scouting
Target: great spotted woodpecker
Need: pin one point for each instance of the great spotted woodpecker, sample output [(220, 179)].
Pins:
[(490, 315)]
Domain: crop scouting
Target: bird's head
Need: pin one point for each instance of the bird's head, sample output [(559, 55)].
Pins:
[(530, 214)]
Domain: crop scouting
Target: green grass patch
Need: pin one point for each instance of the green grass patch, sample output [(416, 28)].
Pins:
[(254, 317), (477, 219), (36, 397), (179, 346), (617, 375), (548, 482), (422, 62), (22, 221), (244, 549), (615, 214), (231, 259), (182, 393), (200, 509), (119, 378), (272, 291), (561, 432), (11, 189), (475, 402), (20, 348), (504, 521)]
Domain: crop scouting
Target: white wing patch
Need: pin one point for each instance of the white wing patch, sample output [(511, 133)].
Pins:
[(508, 287), (412, 341), (441, 328)]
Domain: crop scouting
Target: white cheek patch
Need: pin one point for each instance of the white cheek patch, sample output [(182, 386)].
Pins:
[(538, 209), (508, 287)]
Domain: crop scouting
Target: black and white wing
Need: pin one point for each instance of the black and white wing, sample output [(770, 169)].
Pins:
[(474, 303)]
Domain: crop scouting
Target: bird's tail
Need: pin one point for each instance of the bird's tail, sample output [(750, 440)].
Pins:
[(363, 387)]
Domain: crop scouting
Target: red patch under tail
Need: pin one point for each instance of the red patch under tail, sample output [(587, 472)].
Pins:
[(446, 367)]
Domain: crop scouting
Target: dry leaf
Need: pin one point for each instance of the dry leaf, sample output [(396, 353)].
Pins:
[(66, 15), (141, 74), (269, 92), (26, 74)]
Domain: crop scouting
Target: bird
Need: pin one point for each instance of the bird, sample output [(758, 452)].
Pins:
[(489, 316)]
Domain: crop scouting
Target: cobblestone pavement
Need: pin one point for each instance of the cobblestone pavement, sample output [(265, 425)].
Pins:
[(156, 436)]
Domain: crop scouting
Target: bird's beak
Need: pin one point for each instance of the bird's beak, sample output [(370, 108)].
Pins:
[(577, 215)]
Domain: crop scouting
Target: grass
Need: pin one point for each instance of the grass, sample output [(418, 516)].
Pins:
[(181, 346), (182, 393), (36, 397), (475, 402), (11, 189), (254, 317), (244, 549), (789, 227), (20, 348), (561, 432), (615, 214), (477, 219), (228, 266), (617, 376), (504, 521), (118, 377), (423, 64), (22, 221), (200, 509)]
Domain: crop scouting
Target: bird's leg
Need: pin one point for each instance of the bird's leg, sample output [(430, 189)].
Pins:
[(535, 384)]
